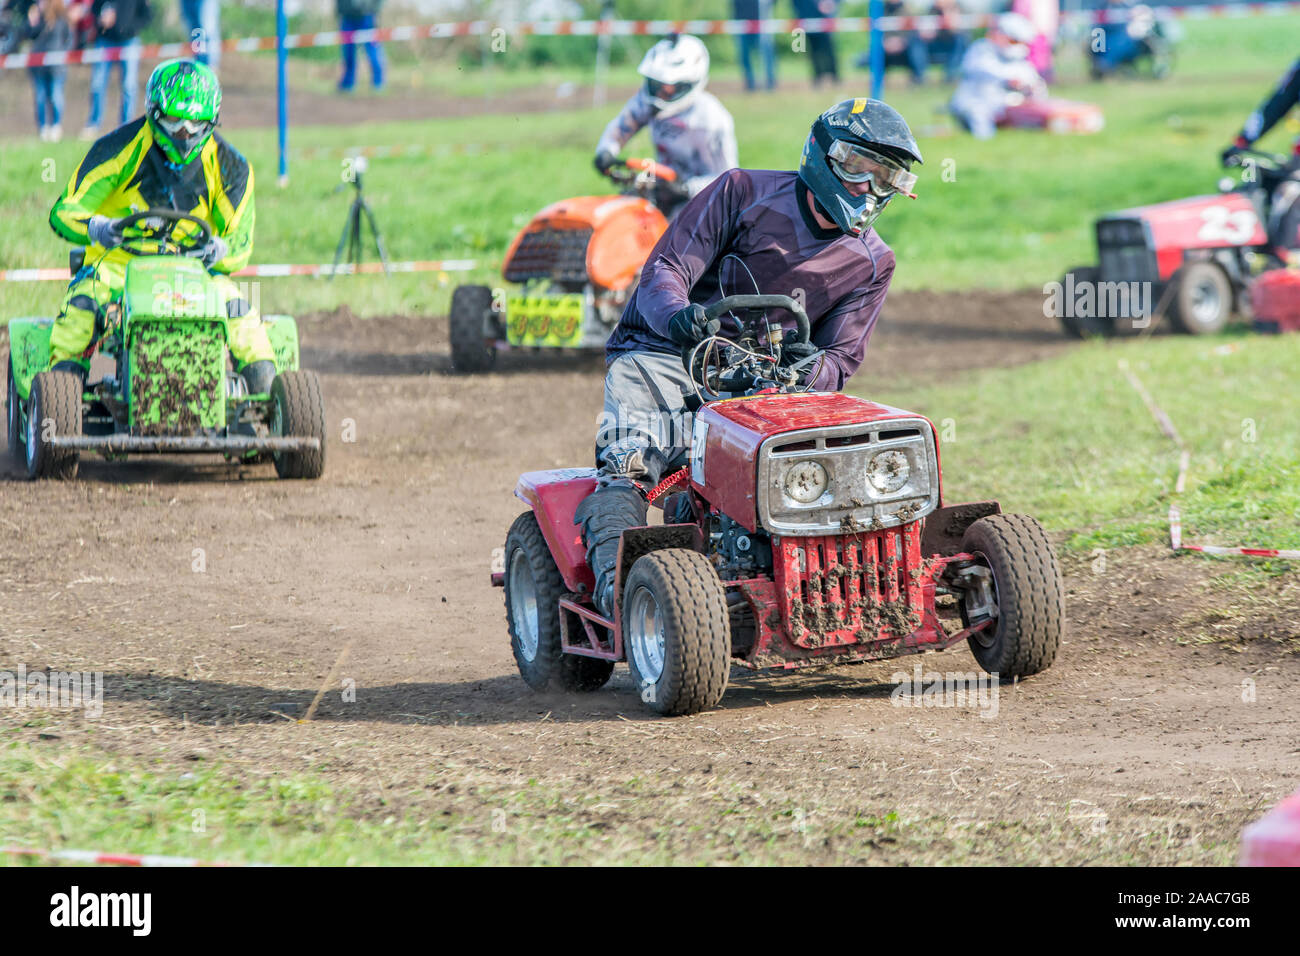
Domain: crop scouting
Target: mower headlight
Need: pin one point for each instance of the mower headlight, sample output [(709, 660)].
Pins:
[(806, 482), (888, 471)]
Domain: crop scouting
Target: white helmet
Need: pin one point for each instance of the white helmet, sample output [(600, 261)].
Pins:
[(675, 72), (1017, 28)]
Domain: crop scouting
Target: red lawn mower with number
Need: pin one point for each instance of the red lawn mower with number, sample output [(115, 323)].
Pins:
[(577, 262), (1199, 257), (1054, 115), (809, 529)]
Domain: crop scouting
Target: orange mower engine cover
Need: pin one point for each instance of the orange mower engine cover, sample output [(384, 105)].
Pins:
[(807, 529), (573, 267)]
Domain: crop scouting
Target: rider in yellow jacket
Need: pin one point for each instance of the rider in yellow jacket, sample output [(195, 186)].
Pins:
[(172, 158)]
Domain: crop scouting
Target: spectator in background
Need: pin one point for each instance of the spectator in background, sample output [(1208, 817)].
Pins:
[(202, 19), (1125, 39), (13, 24), (748, 42), (50, 31), (82, 18), (901, 47), (947, 45), (821, 45), (119, 23), (1045, 15), (917, 49), (360, 15)]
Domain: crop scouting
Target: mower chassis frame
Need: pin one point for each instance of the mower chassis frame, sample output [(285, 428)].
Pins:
[(761, 595), (165, 444)]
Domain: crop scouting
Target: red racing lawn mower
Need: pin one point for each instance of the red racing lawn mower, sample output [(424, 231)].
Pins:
[(809, 529), (1054, 115), (1191, 259), (576, 263)]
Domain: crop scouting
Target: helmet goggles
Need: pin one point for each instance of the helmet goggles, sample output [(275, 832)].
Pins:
[(178, 127), (857, 164), (668, 92)]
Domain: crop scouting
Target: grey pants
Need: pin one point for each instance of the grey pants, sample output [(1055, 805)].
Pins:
[(644, 409)]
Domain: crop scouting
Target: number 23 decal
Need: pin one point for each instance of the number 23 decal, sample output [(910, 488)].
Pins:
[(1227, 225)]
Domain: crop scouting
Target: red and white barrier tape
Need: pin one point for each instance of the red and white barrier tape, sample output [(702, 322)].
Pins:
[(114, 859), (616, 28), (1184, 461), (276, 270)]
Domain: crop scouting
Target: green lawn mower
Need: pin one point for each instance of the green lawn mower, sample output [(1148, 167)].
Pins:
[(172, 390)]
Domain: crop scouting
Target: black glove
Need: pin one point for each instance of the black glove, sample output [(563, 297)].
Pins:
[(688, 327), (792, 353), (604, 160), (1231, 153), (669, 194), (105, 231)]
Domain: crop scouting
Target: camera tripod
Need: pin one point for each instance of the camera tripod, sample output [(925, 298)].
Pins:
[(351, 237)]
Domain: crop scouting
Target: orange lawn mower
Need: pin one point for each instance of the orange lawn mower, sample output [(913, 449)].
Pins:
[(575, 264)]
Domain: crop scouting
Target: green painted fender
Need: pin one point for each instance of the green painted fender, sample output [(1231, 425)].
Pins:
[(282, 330), (29, 350)]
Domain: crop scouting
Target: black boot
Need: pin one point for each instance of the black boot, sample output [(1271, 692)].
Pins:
[(258, 376), (603, 516)]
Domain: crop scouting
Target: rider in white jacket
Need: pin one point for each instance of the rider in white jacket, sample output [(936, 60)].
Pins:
[(692, 131), (995, 73)]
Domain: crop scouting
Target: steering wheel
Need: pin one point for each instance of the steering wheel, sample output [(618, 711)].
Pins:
[(156, 227), (743, 369), (628, 171)]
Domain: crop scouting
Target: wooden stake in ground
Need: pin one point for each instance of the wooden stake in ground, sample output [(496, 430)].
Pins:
[(329, 679)]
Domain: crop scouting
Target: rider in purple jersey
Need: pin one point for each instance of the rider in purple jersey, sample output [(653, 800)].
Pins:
[(806, 234)]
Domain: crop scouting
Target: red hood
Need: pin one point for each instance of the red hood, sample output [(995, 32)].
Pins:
[(733, 432), (768, 415)]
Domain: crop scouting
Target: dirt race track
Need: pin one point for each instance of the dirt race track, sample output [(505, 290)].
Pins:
[(217, 601)]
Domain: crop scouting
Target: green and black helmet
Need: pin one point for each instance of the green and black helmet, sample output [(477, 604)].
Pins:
[(183, 100)]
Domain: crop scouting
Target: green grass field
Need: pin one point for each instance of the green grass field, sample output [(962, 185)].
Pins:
[(86, 799)]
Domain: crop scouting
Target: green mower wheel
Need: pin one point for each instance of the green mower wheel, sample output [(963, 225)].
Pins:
[(54, 409), (298, 410)]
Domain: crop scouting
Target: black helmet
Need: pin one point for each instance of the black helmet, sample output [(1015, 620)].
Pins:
[(859, 140)]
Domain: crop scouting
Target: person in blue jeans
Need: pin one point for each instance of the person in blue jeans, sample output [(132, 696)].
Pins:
[(202, 19), (119, 23), (360, 15), (749, 42), (821, 46), (50, 31)]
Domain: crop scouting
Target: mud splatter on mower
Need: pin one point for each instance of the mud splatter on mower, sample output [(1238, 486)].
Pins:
[(171, 391)]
